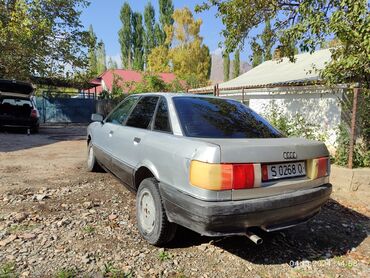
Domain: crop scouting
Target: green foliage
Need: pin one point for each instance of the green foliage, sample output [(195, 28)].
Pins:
[(149, 38), (163, 256), (267, 39), (66, 273), (101, 58), (306, 23), (292, 126), (40, 38), (110, 270), (137, 40), (125, 36), (117, 90), (150, 83), (166, 10), (236, 64), (88, 229), (361, 152), (256, 53), (93, 63), (112, 64), (7, 270), (226, 65), (189, 57)]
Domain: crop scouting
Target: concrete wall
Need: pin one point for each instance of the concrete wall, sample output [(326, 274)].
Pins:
[(321, 106), (344, 179)]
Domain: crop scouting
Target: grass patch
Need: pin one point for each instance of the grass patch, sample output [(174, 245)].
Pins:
[(111, 271), (163, 256), (88, 229), (16, 228), (66, 273), (7, 270)]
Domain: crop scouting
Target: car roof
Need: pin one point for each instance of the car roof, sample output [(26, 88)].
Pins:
[(172, 95)]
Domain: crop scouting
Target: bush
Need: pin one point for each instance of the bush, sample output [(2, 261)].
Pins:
[(361, 154), (296, 125)]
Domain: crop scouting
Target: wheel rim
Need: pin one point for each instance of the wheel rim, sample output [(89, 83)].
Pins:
[(146, 211), (90, 156)]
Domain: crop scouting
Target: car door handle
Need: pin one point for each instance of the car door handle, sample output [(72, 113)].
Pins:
[(137, 140), (111, 133)]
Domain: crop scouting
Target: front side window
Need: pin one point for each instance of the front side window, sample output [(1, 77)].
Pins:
[(119, 115), (221, 118), (143, 112), (162, 120)]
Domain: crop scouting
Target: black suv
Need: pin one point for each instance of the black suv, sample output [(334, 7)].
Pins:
[(17, 107)]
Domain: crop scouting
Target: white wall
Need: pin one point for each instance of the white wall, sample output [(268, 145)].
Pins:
[(321, 107)]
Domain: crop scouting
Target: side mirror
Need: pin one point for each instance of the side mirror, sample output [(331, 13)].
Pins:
[(96, 118)]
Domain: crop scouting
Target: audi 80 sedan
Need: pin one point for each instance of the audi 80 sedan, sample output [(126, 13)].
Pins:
[(209, 164)]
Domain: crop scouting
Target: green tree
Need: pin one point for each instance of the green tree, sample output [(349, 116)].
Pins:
[(256, 53), (93, 63), (236, 64), (38, 38), (189, 57), (125, 36), (166, 10), (101, 58), (112, 64), (307, 24), (158, 60), (267, 39), (137, 41), (159, 36), (226, 65), (149, 38)]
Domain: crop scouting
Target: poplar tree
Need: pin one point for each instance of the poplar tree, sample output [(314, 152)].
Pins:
[(226, 66), (236, 64), (149, 38), (166, 10), (101, 58), (267, 39), (93, 67), (137, 41), (125, 36)]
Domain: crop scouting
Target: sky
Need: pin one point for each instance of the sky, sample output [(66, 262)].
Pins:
[(104, 17)]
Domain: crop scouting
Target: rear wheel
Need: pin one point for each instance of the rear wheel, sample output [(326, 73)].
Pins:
[(92, 163), (151, 216)]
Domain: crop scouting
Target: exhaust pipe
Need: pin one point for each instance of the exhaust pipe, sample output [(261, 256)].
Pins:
[(253, 237)]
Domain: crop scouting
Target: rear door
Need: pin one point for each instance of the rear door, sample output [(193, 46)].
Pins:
[(126, 143)]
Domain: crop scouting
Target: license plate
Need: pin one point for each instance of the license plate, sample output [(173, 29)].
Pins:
[(285, 170)]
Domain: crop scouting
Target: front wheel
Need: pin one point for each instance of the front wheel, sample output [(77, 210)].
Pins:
[(92, 163), (151, 216)]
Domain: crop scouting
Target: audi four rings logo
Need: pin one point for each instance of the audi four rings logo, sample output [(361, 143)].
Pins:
[(289, 155)]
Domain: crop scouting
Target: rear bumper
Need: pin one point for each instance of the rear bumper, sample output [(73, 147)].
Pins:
[(234, 217)]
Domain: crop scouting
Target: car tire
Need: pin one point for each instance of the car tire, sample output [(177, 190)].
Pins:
[(92, 163), (151, 216)]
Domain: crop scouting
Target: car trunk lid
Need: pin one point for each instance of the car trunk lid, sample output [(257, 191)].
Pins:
[(15, 88), (279, 151)]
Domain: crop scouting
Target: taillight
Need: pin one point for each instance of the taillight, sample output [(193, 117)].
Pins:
[(318, 167), (224, 176), (33, 113)]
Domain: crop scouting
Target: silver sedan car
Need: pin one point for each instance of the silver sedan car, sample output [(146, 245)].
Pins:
[(210, 164)]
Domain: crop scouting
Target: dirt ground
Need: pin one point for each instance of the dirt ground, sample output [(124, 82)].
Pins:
[(57, 220)]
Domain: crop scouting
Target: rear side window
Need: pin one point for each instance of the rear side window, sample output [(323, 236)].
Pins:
[(162, 121), (119, 115), (221, 118), (143, 112)]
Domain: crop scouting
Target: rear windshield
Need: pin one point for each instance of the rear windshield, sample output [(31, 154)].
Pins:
[(16, 102), (221, 118)]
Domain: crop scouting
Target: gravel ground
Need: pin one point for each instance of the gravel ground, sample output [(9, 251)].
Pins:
[(57, 220)]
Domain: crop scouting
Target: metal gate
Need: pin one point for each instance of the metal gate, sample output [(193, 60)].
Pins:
[(61, 109)]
